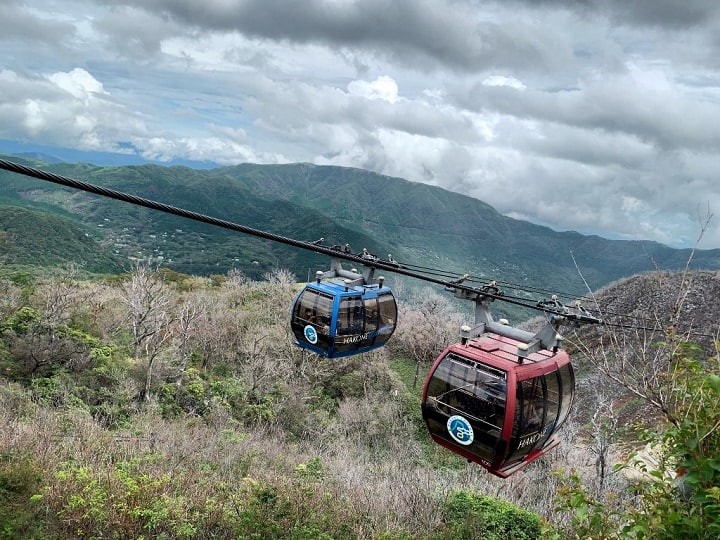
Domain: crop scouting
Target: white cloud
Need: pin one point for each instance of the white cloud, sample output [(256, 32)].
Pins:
[(78, 83), (384, 88), (500, 80), (599, 117)]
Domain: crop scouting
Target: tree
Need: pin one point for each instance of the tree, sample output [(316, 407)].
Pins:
[(426, 325), (192, 310), (42, 333), (149, 304)]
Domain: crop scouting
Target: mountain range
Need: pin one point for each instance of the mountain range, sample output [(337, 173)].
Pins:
[(427, 226)]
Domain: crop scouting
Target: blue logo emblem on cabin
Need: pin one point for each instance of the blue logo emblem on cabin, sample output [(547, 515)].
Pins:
[(310, 334), (460, 430)]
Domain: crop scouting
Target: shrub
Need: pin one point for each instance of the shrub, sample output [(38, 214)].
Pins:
[(124, 501), (471, 515), (677, 497), (20, 478)]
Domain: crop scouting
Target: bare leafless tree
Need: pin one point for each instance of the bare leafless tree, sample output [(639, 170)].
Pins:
[(426, 325), (192, 310), (10, 297), (149, 304), (654, 308)]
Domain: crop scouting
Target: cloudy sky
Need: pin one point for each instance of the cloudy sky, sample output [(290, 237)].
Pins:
[(601, 116)]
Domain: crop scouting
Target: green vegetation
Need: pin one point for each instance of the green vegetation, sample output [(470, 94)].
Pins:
[(160, 404), (471, 515), (40, 239), (192, 415), (678, 493), (417, 223)]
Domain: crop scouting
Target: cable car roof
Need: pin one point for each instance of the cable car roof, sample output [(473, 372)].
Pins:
[(501, 352), (335, 287)]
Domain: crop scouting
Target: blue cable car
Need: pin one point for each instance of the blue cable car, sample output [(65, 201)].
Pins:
[(343, 313)]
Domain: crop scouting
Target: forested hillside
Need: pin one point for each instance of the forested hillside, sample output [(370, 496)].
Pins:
[(43, 240), (416, 223), (156, 404)]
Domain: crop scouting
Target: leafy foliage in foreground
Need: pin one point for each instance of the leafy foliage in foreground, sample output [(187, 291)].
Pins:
[(161, 405), (678, 494), (471, 515)]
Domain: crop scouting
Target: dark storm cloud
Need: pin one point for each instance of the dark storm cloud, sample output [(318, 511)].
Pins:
[(664, 13), (134, 33), (47, 35), (425, 31)]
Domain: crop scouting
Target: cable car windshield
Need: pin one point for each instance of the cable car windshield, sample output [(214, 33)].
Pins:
[(474, 391)]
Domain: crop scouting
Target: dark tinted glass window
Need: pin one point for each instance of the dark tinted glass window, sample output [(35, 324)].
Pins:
[(567, 381), (529, 417), (372, 315), (313, 308), (350, 316), (477, 392), (387, 310)]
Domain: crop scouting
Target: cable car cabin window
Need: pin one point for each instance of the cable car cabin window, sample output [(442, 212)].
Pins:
[(388, 309), (552, 405), (350, 316), (349, 330), (371, 315), (313, 308), (536, 414), (476, 392), (567, 391), (388, 317), (316, 308)]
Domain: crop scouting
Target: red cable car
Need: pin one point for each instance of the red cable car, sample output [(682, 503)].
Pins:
[(499, 396)]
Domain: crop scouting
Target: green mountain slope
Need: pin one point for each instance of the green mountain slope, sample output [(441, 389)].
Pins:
[(460, 232), (33, 238), (417, 223), (181, 244)]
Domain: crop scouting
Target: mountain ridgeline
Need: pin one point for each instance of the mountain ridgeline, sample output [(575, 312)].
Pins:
[(417, 223)]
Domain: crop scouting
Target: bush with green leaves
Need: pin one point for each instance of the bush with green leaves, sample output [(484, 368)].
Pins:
[(472, 515), (129, 499), (20, 478), (679, 495)]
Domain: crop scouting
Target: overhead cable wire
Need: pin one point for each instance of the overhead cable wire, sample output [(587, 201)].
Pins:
[(365, 259), (453, 279)]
